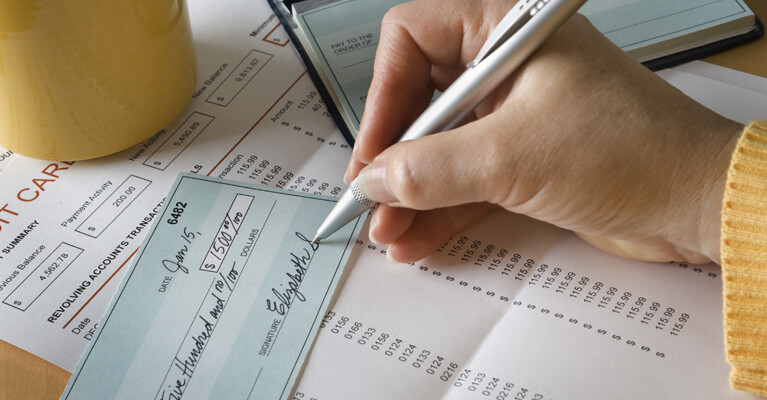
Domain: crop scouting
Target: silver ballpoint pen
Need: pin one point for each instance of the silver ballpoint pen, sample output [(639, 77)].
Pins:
[(522, 31)]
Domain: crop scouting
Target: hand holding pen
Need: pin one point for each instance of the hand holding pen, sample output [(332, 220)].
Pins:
[(580, 136), (522, 30)]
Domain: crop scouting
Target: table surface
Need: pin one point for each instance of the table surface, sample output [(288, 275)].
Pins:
[(25, 376)]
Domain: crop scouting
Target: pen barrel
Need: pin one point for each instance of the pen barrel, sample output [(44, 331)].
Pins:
[(478, 81)]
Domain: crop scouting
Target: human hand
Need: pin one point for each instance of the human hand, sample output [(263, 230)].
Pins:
[(581, 136)]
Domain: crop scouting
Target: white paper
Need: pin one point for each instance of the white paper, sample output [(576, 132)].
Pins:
[(474, 321), (454, 328), (732, 77), (743, 101)]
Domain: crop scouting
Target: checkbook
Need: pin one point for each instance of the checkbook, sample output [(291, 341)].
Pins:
[(223, 300)]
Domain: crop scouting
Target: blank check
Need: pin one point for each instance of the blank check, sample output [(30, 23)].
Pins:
[(224, 298)]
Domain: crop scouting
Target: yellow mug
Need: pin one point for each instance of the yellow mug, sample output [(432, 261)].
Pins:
[(82, 79)]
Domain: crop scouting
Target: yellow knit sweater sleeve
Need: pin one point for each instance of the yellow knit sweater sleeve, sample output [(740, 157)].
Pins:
[(744, 261)]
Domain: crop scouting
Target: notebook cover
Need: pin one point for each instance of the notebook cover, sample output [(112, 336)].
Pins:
[(287, 23), (706, 50)]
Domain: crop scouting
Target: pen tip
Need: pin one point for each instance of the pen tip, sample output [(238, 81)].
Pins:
[(316, 240)]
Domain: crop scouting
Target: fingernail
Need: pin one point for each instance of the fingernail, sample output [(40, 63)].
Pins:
[(372, 229), (389, 257), (348, 174), (372, 182), (372, 239)]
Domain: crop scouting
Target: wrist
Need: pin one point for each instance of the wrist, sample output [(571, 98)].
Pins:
[(709, 225), (693, 185)]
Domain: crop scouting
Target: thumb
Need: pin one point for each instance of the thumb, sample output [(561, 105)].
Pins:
[(447, 169)]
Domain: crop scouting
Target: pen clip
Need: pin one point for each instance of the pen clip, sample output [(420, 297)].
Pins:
[(513, 21)]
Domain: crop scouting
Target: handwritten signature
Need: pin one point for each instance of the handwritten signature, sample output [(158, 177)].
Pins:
[(284, 298)]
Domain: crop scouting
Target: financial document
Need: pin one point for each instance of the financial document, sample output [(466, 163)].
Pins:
[(516, 309), (510, 309), (223, 300), (68, 231)]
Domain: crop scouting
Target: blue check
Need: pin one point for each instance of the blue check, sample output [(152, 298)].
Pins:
[(223, 300)]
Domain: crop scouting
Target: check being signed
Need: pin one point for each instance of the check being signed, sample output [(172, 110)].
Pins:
[(223, 300)]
